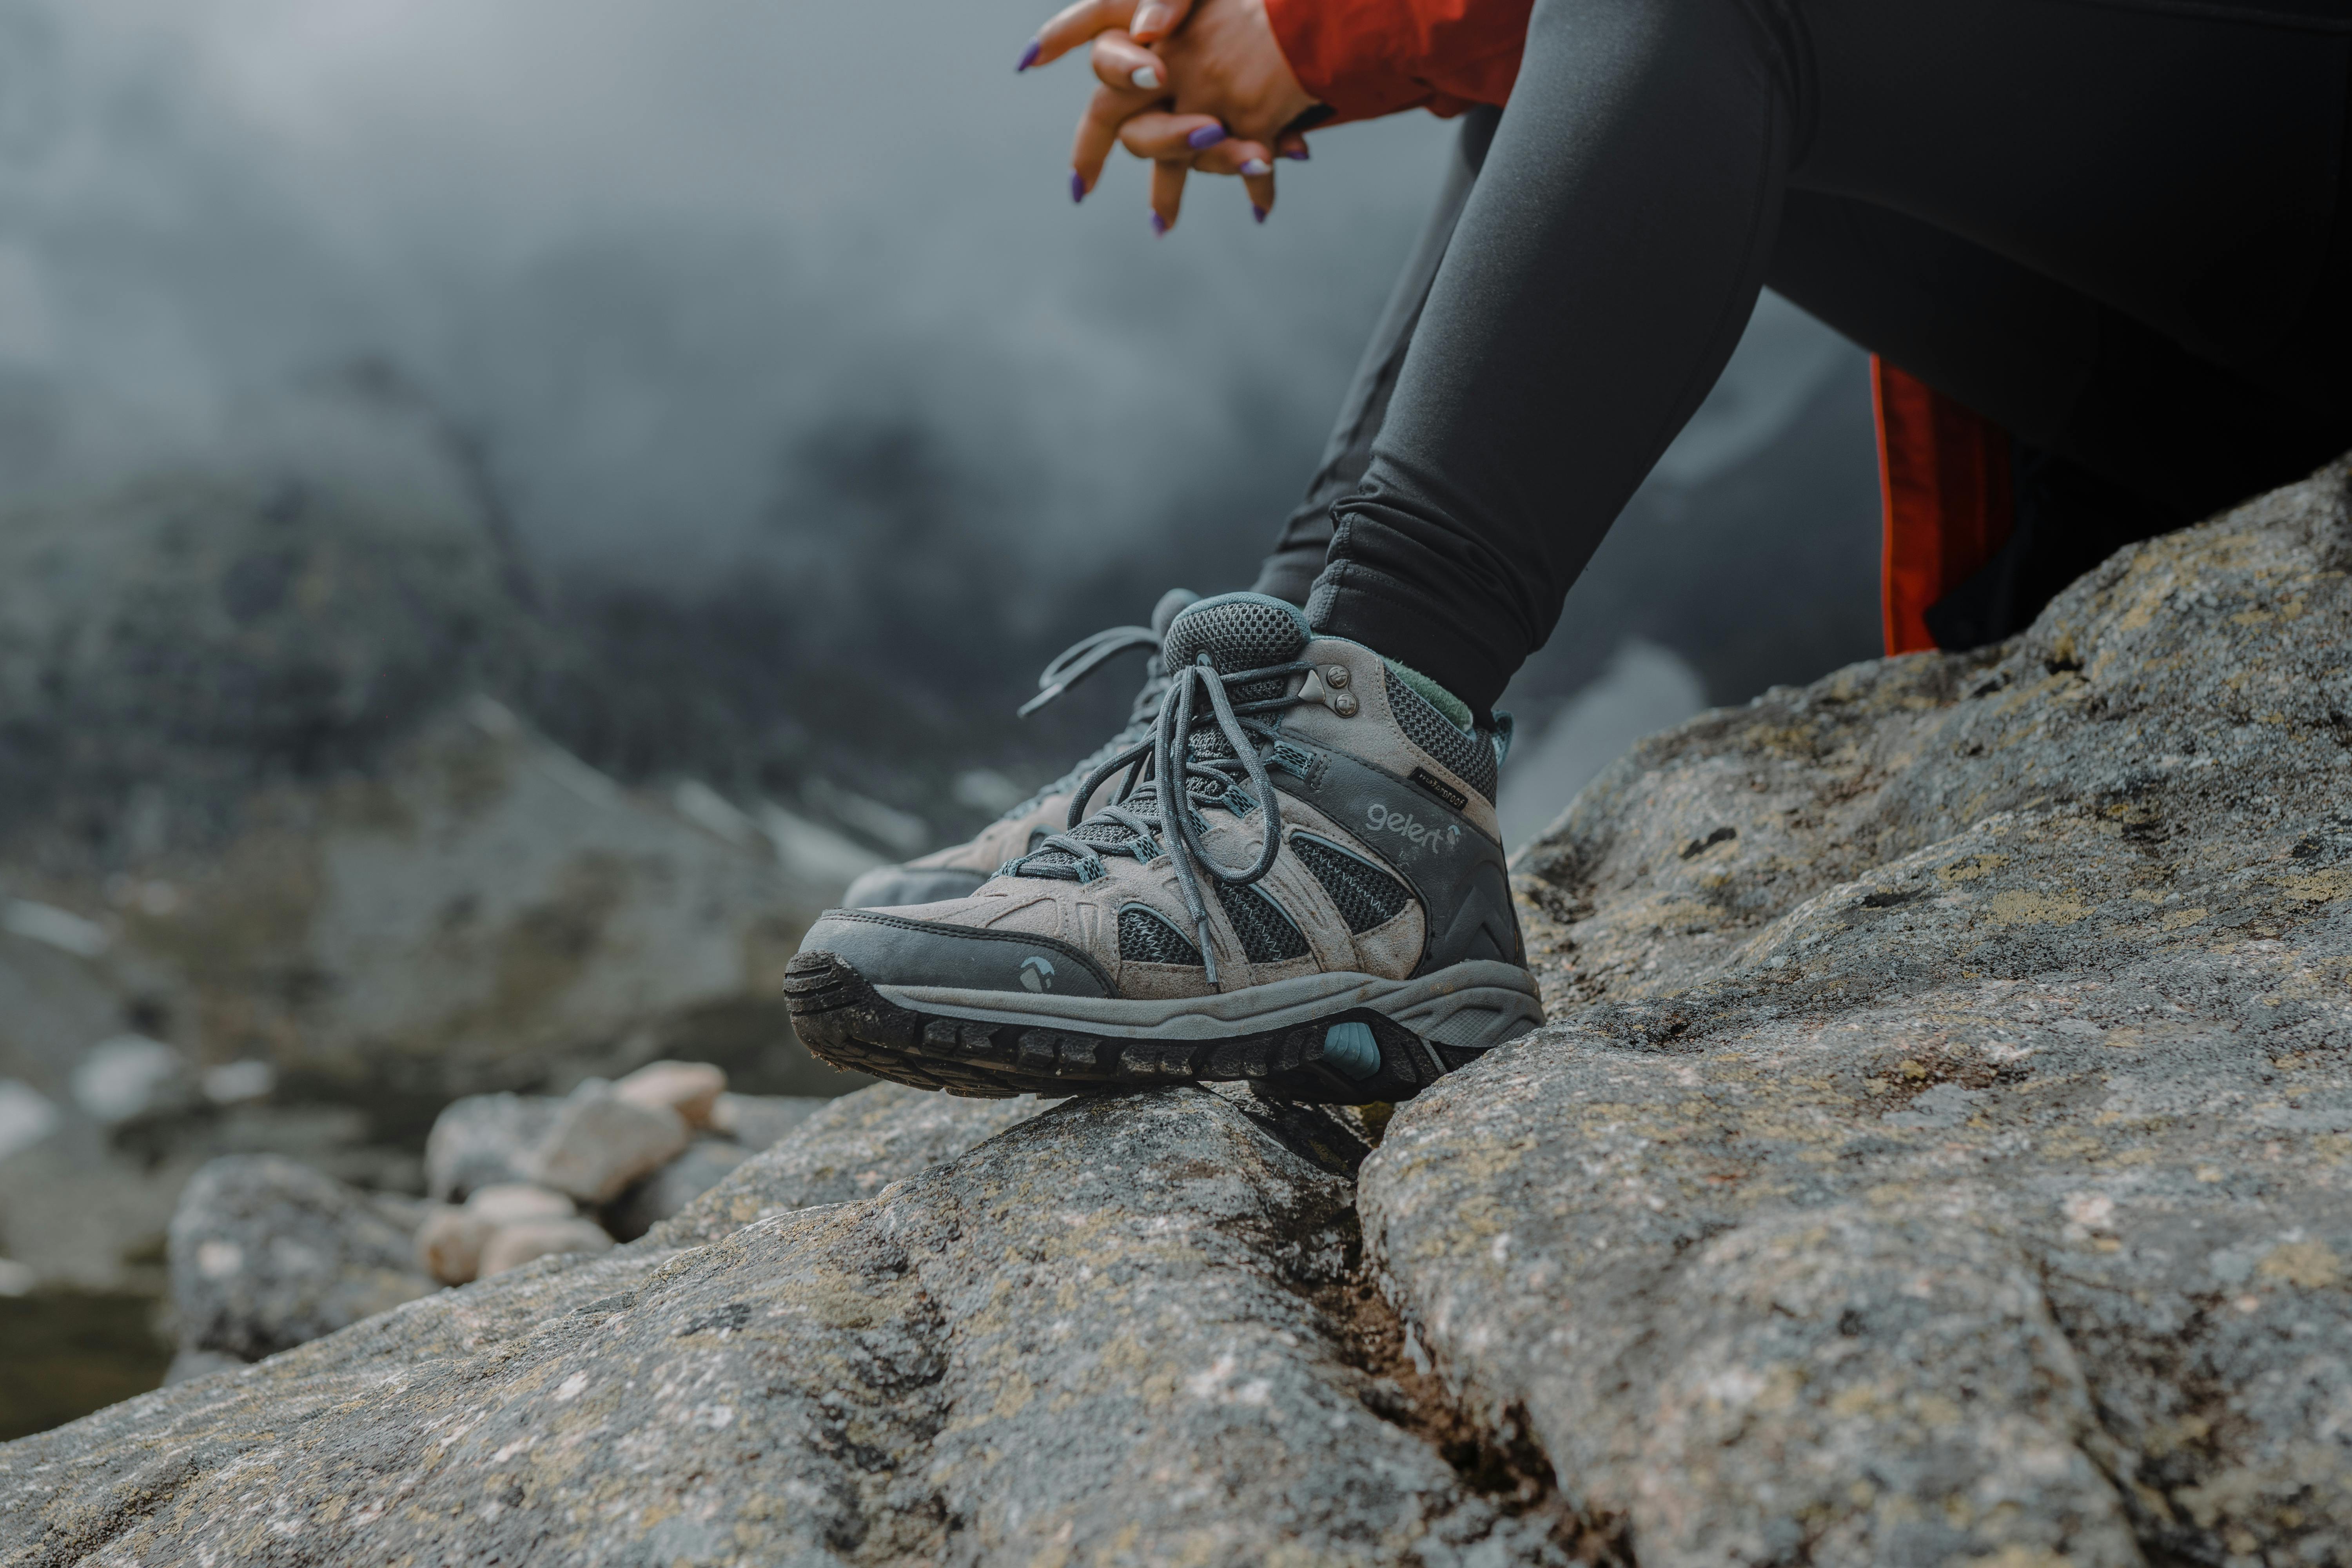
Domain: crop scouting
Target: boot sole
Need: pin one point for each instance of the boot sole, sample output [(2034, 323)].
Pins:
[(980, 1043)]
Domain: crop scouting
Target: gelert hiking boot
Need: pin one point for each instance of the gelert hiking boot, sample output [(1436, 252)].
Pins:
[(961, 869), (1325, 911)]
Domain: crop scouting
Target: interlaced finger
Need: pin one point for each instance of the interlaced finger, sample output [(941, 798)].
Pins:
[(1158, 135), (1166, 192), (1098, 132), (1123, 65)]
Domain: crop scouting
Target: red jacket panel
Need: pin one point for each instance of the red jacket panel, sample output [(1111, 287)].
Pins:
[(1944, 480)]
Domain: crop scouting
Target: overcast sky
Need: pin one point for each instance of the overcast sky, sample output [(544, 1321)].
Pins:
[(642, 246)]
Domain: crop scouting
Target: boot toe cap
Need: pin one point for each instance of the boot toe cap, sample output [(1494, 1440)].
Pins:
[(886, 948)]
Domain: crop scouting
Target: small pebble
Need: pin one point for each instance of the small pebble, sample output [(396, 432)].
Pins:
[(691, 1088), (601, 1145), (516, 1245), (510, 1202)]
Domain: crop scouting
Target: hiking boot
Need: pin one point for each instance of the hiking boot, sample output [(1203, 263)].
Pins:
[(1326, 914), (961, 869)]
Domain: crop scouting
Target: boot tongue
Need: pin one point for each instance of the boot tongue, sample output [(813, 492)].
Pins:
[(1173, 602), (1238, 632)]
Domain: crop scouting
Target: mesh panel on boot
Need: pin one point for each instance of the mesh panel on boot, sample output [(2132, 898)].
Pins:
[(1470, 758), (1146, 938), (1242, 634), (1366, 895), (1267, 936)]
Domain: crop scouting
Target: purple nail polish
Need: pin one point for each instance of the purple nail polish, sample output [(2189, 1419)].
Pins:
[(1077, 186), (1297, 154), (1206, 137), (1029, 56), (1258, 211), (1159, 224)]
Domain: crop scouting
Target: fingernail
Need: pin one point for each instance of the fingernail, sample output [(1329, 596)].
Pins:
[(1146, 77), (1257, 212), (1077, 186), (1207, 136), (1029, 56), (1258, 166), (1159, 224), (1296, 154), (1147, 18)]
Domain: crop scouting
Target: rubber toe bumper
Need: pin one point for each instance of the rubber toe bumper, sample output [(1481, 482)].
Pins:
[(888, 947), (1355, 1056)]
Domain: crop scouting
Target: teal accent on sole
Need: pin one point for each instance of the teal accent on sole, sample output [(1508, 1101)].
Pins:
[(1351, 1048)]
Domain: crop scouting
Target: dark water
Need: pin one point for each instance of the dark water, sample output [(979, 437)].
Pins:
[(64, 1354)]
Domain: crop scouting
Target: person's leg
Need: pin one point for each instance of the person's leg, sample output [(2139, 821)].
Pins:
[(1296, 559), (2182, 171), (2062, 372), (1607, 262)]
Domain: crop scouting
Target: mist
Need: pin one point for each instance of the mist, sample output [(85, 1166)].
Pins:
[(765, 328), (672, 263)]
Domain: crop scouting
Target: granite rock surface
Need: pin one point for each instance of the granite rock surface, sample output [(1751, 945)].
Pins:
[(1939, 1155), (1943, 1150), (1094, 1338)]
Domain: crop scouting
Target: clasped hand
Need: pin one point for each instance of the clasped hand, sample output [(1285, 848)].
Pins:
[(1186, 84)]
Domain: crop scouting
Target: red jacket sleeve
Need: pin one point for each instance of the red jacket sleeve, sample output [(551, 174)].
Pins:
[(1370, 58)]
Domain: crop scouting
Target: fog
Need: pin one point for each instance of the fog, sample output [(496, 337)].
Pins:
[(660, 256), (775, 301)]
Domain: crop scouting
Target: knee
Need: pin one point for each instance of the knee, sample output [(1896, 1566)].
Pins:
[(1601, 44)]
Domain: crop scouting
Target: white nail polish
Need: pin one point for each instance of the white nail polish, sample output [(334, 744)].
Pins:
[(1146, 77), (1258, 166)]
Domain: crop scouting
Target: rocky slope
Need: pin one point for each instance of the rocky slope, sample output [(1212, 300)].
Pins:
[(277, 879), (1939, 1153)]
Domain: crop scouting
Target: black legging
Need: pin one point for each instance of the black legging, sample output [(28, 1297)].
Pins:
[(2115, 228)]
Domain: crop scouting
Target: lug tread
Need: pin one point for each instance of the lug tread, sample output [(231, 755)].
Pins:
[(847, 1024)]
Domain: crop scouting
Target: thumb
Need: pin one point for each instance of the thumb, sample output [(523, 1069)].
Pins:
[(1076, 24)]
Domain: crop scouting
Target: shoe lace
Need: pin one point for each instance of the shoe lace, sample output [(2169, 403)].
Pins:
[(1073, 664), (1170, 774)]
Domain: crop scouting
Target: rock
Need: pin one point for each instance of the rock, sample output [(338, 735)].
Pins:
[(706, 1163), (514, 1201), (600, 1144), (1940, 1152), (266, 1255), (449, 1244), (512, 1245), (1952, 1161), (483, 1140), (26, 1116), (1094, 1338), (759, 1122), (691, 1088), (129, 1077), (853, 1148)]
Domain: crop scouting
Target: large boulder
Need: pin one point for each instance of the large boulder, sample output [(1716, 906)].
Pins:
[(1096, 1337), (1944, 1148), (1940, 1152), (266, 1254)]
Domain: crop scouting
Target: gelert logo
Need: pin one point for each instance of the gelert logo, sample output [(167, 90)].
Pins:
[(1036, 974), (1407, 826)]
